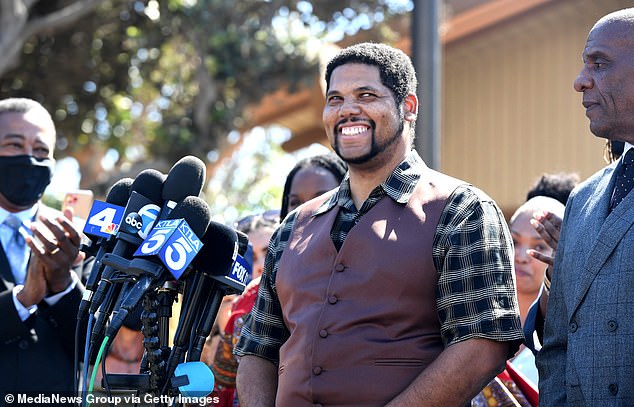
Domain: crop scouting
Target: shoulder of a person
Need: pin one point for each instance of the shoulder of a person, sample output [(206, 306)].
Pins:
[(459, 192), (588, 186), (314, 203), (311, 206), (471, 194)]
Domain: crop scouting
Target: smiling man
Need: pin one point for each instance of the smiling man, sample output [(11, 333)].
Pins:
[(588, 356), (396, 288)]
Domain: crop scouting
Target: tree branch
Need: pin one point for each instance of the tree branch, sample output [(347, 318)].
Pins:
[(60, 18), (13, 16), (16, 29)]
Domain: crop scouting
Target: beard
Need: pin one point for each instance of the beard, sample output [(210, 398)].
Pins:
[(375, 148)]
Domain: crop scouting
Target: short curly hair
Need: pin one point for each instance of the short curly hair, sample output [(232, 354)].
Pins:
[(395, 67), (558, 186)]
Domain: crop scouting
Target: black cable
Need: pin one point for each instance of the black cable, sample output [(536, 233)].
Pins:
[(76, 360), (86, 367), (104, 376)]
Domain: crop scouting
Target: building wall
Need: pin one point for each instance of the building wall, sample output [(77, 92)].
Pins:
[(510, 111)]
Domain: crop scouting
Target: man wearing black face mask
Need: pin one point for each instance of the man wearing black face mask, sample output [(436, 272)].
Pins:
[(39, 251)]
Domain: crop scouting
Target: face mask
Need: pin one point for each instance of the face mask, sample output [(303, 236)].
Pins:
[(23, 178)]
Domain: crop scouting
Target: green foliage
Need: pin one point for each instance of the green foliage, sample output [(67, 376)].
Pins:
[(250, 182), (157, 80), (78, 74)]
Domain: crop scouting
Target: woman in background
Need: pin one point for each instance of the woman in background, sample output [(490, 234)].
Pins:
[(308, 179), (529, 272)]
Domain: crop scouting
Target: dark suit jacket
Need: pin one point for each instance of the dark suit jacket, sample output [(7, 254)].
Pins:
[(37, 354), (533, 324), (588, 353)]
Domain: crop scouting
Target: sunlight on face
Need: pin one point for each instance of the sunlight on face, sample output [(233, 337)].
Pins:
[(309, 183), (259, 239), (529, 272)]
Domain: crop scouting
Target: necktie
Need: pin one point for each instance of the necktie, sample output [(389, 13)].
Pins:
[(16, 251), (624, 179)]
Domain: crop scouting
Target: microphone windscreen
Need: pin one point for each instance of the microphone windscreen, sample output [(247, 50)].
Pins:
[(200, 379), (119, 193), (149, 183), (184, 179), (243, 242), (216, 255), (195, 211)]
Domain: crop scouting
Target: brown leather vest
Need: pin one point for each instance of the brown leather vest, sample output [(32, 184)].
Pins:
[(363, 320)]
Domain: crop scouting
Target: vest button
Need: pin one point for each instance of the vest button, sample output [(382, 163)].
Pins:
[(612, 325), (323, 333), (332, 300), (613, 388), (340, 267), (573, 327), (317, 370)]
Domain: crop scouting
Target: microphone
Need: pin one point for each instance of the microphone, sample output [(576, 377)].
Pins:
[(193, 379), (231, 271), (221, 245), (119, 192), (245, 250), (104, 217), (117, 196), (243, 242), (152, 273), (140, 213), (203, 295), (145, 195), (185, 178)]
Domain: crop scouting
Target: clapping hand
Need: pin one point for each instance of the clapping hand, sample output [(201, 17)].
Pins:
[(548, 225), (54, 250)]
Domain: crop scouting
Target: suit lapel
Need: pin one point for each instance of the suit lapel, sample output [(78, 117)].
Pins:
[(613, 227), (6, 276), (7, 282)]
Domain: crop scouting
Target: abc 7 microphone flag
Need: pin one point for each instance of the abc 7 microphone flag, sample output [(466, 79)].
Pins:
[(105, 219)]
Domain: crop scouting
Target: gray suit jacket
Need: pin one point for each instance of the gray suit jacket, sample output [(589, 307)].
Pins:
[(588, 353)]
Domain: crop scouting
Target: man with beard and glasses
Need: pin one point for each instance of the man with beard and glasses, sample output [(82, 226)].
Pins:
[(397, 287), (39, 290)]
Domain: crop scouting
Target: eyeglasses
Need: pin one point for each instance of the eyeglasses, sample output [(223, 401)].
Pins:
[(245, 224)]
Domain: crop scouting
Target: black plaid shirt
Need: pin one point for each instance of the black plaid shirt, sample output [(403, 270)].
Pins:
[(472, 251)]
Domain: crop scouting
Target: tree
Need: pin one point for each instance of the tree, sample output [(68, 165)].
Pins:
[(21, 19), (148, 81)]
